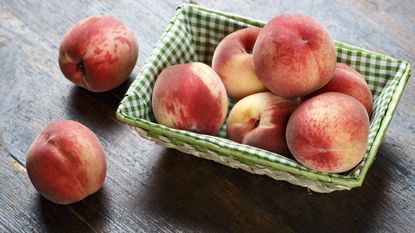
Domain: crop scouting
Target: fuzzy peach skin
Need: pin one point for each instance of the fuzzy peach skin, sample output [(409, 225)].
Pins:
[(350, 82), (66, 162), (260, 120), (190, 97), (329, 132), (232, 60), (294, 55), (98, 53)]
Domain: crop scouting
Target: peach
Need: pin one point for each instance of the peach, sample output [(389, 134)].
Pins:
[(350, 82), (329, 132), (294, 55), (232, 60), (98, 53), (260, 120), (190, 97), (66, 162)]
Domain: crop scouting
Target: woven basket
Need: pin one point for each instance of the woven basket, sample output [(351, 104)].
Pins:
[(192, 35)]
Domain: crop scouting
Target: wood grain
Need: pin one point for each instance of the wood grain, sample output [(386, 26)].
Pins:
[(152, 189)]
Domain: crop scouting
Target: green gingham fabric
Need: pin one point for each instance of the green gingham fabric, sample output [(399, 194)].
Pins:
[(193, 34)]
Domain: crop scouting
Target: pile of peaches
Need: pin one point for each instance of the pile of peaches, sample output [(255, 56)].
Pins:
[(291, 96)]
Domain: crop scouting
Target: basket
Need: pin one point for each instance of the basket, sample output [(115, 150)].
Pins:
[(192, 35)]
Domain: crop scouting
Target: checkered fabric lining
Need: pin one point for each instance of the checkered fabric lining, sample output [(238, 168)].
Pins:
[(193, 34)]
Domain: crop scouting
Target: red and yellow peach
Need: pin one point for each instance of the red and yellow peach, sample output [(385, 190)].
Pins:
[(232, 60), (329, 132), (348, 81), (66, 162), (190, 97), (260, 120), (294, 55), (98, 53)]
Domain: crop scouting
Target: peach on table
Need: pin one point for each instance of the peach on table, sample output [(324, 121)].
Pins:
[(66, 162), (98, 53)]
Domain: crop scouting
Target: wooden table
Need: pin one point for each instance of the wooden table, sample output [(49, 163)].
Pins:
[(149, 188)]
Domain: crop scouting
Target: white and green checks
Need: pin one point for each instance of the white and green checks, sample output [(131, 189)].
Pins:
[(192, 35)]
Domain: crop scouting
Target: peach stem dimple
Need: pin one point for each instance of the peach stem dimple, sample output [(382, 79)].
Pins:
[(80, 66), (256, 123)]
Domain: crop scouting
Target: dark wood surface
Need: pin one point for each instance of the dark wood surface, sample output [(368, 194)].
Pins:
[(149, 188)]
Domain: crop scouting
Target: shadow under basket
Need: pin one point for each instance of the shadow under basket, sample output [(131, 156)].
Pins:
[(192, 35)]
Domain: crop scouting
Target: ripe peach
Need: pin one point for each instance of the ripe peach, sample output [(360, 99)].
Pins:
[(350, 82), (190, 97), (329, 132), (294, 55), (66, 162), (260, 120), (98, 53), (232, 60)]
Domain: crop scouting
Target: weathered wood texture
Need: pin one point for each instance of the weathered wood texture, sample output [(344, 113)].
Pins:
[(152, 189)]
